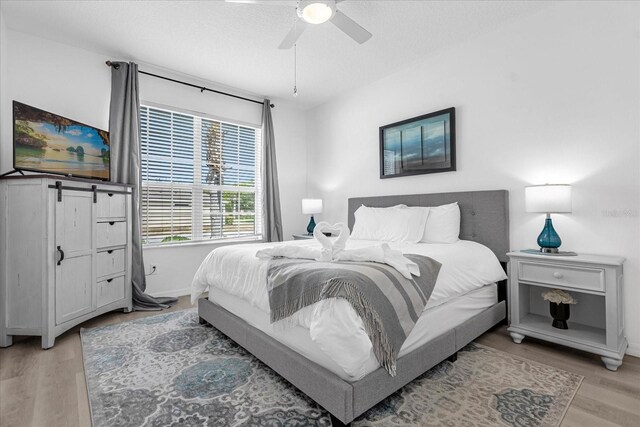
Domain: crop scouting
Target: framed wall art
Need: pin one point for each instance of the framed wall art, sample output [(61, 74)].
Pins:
[(423, 144)]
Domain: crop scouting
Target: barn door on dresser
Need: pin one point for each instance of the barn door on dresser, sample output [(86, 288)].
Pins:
[(74, 255)]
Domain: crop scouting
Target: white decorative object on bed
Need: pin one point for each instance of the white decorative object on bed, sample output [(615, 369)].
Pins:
[(334, 250)]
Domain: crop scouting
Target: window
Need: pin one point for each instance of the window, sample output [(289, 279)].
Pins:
[(200, 178)]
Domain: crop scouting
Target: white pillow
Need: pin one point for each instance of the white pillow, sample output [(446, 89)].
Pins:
[(394, 224), (443, 224)]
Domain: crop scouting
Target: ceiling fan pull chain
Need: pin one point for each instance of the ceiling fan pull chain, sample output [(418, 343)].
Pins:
[(295, 70)]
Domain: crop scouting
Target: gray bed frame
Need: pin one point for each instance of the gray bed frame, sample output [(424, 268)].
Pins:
[(484, 219)]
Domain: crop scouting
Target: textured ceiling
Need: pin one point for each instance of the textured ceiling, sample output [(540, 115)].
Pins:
[(236, 44)]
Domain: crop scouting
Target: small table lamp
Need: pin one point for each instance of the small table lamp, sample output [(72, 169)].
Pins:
[(310, 207), (548, 198)]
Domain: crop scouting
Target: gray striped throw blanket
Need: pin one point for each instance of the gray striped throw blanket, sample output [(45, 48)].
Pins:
[(388, 304)]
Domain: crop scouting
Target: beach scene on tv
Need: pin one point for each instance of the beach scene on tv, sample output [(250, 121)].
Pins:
[(47, 142)]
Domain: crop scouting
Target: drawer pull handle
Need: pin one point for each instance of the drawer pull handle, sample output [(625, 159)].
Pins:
[(110, 194), (558, 275), (61, 252), (109, 280), (110, 251), (111, 222)]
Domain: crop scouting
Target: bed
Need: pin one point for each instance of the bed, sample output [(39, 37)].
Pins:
[(350, 382)]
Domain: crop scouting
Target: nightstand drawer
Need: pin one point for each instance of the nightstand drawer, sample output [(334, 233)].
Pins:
[(562, 275)]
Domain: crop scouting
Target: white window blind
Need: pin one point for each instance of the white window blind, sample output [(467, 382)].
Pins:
[(200, 178)]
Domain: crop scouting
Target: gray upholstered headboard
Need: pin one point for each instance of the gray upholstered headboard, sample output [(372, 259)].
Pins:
[(485, 214)]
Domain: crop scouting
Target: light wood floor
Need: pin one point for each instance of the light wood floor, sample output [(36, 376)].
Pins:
[(47, 387)]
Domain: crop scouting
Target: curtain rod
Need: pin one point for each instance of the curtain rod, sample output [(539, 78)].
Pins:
[(202, 88)]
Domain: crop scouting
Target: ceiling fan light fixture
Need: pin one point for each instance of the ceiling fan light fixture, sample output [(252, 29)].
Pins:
[(316, 12)]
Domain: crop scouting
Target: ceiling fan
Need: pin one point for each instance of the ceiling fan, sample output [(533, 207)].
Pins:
[(314, 12)]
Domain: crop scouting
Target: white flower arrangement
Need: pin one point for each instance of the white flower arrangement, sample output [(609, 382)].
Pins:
[(559, 297)]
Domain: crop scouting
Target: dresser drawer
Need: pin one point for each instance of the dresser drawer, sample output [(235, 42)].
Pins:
[(110, 290), (110, 262), (562, 275), (111, 205), (112, 233)]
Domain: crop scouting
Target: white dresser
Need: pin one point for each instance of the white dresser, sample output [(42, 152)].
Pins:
[(65, 254), (596, 323)]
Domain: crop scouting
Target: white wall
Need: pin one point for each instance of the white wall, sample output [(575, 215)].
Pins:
[(54, 77), (551, 98), (3, 68), (76, 83)]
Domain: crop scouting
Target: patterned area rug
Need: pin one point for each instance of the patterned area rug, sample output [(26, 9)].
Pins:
[(168, 370)]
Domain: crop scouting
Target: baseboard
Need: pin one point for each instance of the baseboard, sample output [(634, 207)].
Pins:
[(173, 293), (633, 349)]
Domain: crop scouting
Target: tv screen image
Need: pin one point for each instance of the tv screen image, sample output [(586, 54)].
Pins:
[(46, 142)]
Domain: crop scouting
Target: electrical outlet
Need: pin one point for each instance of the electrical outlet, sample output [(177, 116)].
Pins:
[(154, 269)]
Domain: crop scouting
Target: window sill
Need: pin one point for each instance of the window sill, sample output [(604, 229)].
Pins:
[(217, 242)]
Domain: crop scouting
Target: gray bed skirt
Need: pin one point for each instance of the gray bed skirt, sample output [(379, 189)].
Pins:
[(344, 400)]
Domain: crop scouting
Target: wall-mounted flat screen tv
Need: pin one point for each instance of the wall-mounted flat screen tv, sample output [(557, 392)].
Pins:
[(48, 143)]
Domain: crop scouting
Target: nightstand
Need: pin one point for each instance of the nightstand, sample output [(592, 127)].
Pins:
[(596, 323), (302, 236)]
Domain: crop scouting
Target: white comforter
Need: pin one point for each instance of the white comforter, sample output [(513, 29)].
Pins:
[(333, 325)]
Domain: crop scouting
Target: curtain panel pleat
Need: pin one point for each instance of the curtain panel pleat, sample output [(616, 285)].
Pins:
[(124, 135), (271, 214)]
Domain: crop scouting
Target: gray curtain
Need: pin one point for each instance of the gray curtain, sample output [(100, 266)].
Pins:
[(271, 216), (124, 136)]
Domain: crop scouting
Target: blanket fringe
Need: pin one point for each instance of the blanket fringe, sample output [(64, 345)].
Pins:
[(308, 298), (382, 348)]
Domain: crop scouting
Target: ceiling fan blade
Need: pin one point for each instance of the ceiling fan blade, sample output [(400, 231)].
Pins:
[(350, 27), (293, 36), (291, 3)]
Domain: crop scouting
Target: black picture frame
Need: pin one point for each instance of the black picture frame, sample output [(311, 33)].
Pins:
[(420, 145)]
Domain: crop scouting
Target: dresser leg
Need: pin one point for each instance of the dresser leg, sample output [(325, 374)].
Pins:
[(6, 340), (516, 337), (611, 363), (48, 341)]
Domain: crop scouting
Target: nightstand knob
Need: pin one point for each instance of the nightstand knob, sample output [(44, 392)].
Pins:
[(558, 275)]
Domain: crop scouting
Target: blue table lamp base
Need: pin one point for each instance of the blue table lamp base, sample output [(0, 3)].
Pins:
[(311, 226), (548, 240)]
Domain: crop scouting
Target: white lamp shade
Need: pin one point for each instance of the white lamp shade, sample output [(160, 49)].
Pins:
[(311, 206), (549, 198)]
